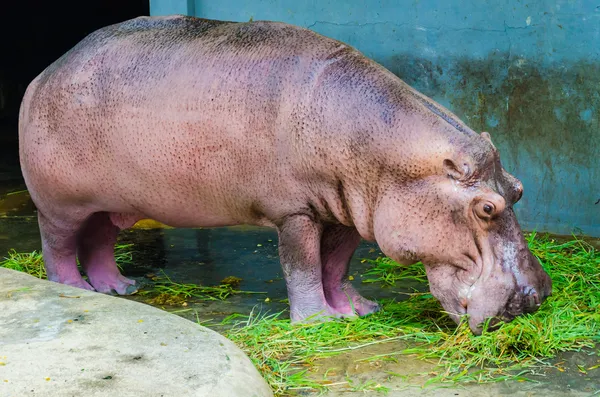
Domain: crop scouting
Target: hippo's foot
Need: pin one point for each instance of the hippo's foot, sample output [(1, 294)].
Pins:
[(337, 246), (346, 303), (111, 282), (322, 314), (315, 264), (345, 298), (76, 282), (364, 306)]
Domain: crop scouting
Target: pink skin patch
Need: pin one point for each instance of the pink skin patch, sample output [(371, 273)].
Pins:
[(96, 243)]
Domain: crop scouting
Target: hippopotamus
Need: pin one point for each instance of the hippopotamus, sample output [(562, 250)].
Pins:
[(204, 123)]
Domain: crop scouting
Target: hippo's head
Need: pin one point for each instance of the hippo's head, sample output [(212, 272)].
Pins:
[(459, 221)]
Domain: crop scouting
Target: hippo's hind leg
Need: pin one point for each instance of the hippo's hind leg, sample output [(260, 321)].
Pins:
[(96, 252), (337, 246), (59, 248)]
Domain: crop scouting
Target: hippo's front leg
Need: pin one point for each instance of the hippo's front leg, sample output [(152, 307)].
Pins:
[(337, 246), (315, 265), (299, 252)]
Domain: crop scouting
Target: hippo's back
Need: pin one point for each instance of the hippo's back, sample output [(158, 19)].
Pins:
[(159, 41), (175, 62)]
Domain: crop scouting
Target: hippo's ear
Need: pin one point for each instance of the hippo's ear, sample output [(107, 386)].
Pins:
[(486, 135), (457, 170)]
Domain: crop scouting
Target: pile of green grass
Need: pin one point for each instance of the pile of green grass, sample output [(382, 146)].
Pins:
[(30, 263), (33, 262), (569, 320)]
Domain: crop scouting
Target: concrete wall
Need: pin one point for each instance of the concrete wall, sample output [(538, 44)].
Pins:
[(527, 72)]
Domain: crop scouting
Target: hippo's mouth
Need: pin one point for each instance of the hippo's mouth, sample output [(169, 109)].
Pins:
[(493, 324)]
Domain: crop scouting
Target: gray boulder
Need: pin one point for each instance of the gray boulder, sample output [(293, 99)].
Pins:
[(57, 340)]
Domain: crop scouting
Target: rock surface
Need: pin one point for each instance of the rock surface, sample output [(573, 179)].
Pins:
[(57, 340)]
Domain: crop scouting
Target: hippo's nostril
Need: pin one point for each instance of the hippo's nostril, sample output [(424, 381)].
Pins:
[(533, 293), (531, 300), (527, 291)]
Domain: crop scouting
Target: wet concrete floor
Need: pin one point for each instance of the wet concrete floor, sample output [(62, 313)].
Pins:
[(207, 256)]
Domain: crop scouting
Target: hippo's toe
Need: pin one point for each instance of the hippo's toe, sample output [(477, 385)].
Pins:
[(113, 284)]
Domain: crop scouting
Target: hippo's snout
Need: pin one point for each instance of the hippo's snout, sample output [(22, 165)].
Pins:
[(545, 290), (533, 294), (532, 300), (520, 287), (529, 297), (527, 300), (534, 297)]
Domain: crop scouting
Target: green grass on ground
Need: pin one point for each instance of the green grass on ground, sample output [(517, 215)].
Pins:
[(163, 291), (166, 291), (569, 320), (33, 263)]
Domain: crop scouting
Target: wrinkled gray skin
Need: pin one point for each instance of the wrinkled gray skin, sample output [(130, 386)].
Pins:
[(199, 123)]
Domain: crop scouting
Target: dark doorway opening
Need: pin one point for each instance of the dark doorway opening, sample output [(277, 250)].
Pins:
[(33, 34)]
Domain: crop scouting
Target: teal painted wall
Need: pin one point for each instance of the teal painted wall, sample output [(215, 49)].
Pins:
[(168, 7), (527, 72)]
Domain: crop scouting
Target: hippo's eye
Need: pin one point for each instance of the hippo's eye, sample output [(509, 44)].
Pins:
[(485, 210), (488, 206)]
